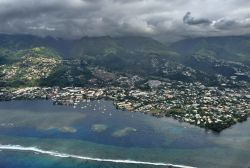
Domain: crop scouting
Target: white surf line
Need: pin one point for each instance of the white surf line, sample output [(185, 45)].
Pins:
[(64, 155)]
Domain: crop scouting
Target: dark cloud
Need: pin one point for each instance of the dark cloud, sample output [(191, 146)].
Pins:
[(225, 24), (160, 19), (188, 19)]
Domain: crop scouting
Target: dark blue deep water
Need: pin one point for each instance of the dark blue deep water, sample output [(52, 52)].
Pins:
[(98, 130)]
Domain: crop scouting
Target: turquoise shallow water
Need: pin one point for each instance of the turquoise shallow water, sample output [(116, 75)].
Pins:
[(98, 130)]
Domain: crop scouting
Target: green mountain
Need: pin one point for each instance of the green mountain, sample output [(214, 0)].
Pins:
[(123, 54), (84, 46), (235, 48), (190, 60), (28, 66)]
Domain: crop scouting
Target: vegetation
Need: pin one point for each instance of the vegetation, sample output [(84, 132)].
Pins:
[(27, 67), (191, 60), (227, 48)]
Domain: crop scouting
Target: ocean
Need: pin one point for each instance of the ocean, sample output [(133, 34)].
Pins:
[(38, 134)]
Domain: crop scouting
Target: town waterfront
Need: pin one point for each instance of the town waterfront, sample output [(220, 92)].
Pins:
[(96, 130)]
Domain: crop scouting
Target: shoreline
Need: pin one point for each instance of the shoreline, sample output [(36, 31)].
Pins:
[(71, 96)]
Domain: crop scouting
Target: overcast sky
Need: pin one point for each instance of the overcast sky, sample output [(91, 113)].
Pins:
[(166, 20)]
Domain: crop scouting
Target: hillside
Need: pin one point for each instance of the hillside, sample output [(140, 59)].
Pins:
[(28, 67), (235, 48), (190, 60)]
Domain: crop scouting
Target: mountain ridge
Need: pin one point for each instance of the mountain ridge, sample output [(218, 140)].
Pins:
[(199, 59)]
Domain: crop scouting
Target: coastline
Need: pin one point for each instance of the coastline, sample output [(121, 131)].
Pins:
[(138, 101)]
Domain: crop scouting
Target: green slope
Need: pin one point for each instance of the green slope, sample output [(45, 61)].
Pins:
[(29, 66), (235, 48)]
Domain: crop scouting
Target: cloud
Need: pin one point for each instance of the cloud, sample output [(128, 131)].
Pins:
[(229, 24), (160, 19), (188, 19)]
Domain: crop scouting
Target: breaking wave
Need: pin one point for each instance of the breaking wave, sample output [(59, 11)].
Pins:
[(64, 155)]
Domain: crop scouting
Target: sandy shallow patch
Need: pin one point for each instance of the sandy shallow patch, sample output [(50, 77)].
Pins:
[(99, 128), (123, 132), (61, 121)]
